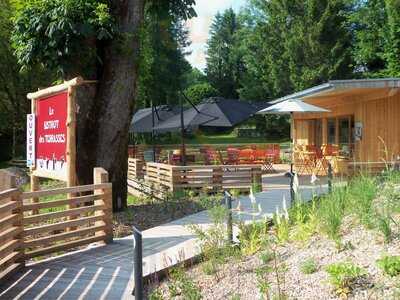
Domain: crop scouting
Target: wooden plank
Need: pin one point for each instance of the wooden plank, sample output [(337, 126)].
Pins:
[(8, 207), (55, 89), (9, 233), (62, 202), (10, 259), (44, 241), (8, 221), (59, 214), (9, 247), (10, 270), (61, 225), (65, 246), (74, 189), (9, 193)]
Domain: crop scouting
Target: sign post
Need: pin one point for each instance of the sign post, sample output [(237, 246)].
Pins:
[(51, 134)]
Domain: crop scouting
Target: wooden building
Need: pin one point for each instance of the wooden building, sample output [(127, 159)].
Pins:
[(364, 118)]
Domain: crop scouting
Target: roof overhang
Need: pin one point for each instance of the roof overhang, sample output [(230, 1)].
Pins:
[(334, 86)]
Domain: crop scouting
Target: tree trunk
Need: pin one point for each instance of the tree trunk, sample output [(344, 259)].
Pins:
[(115, 97)]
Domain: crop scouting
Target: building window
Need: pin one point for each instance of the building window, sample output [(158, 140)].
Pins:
[(331, 131)]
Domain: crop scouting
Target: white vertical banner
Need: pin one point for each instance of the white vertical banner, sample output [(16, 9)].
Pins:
[(30, 140)]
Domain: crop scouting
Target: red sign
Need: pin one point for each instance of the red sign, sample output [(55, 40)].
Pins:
[(51, 132)]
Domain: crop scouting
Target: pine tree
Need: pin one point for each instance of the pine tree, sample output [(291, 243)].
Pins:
[(224, 61)]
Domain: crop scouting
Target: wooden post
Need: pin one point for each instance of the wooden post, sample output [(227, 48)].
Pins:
[(217, 177), (34, 179), (337, 131), (101, 176), (71, 137), (8, 181), (256, 179), (324, 131), (71, 147)]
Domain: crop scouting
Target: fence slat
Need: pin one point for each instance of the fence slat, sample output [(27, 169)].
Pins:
[(44, 241), (9, 233), (61, 202), (10, 260), (59, 214), (61, 225), (67, 190), (65, 246)]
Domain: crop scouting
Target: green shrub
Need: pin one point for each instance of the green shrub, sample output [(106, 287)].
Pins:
[(305, 220), (343, 275), (308, 266), (210, 267), (182, 285), (383, 225), (282, 227), (156, 294), (390, 265), (362, 192), (266, 257), (252, 237), (331, 213)]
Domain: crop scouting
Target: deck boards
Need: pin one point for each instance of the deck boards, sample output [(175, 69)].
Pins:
[(105, 272)]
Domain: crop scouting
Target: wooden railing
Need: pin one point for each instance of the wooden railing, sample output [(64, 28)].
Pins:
[(55, 222), (217, 177), (135, 168), (11, 240)]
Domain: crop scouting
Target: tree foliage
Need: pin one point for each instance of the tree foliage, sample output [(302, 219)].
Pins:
[(377, 38), (224, 59), (197, 92), (57, 32), (14, 85), (163, 64)]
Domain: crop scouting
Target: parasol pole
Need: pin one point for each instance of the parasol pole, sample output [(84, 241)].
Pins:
[(152, 132), (183, 148), (291, 141)]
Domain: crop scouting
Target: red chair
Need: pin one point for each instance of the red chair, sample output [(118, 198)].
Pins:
[(246, 156), (277, 153), (233, 156), (211, 157)]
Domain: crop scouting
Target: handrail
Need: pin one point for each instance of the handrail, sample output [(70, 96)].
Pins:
[(72, 222)]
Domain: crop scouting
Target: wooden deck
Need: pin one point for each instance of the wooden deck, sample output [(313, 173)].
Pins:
[(106, 272)]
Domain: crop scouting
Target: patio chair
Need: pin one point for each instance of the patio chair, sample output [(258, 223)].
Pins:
[(321, 164), (266, 161), (246, 156), (277, 153), (232, 156), (299, 160), (210, 156)]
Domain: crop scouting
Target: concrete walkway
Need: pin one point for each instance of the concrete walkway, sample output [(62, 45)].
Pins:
[(105, 272)]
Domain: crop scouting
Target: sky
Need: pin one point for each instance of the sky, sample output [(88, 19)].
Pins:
[(199, 27)]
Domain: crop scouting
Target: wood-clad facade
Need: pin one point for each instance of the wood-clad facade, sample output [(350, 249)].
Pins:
[(375, 110)]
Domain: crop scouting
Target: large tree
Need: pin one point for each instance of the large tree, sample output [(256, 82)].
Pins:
[(14, 85), (224, 60), (295, 44), (163, 64), (100, 40), (377, 37)]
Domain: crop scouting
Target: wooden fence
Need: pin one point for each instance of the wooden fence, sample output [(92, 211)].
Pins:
[(58, 220), (217, 177), (135, 168), (11, 229)]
